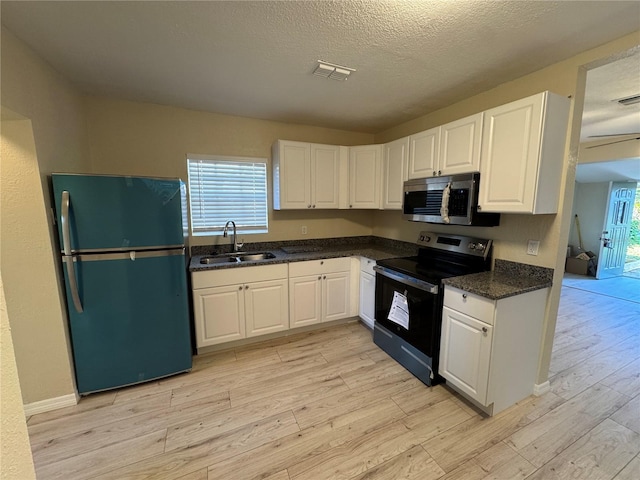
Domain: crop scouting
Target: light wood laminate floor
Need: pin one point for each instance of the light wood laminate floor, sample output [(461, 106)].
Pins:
[(331, 405)]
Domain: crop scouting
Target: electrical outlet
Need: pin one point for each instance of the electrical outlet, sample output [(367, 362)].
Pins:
[(532, 247), (304, 230)]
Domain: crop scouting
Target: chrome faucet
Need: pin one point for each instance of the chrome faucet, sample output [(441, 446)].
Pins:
[(236, 246)]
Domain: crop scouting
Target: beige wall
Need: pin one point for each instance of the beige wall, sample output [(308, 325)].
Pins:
[(32, 89), (27, 258), (15, 450), (565, 78), (134, 138), (142, 139)]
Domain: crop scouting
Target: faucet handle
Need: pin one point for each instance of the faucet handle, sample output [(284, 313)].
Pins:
[(239, 245)]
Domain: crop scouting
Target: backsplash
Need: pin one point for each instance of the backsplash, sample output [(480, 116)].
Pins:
[(411, 248)]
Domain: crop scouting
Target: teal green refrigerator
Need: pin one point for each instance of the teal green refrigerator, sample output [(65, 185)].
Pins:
[(122, 243)]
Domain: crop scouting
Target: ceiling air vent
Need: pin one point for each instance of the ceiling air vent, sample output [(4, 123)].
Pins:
[(629, 100), (332, 71)]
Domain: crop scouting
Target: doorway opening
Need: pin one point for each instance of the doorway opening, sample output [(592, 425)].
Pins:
[(632, 259)]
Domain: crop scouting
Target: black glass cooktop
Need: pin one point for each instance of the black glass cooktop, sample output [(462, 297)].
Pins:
[(433, 269)]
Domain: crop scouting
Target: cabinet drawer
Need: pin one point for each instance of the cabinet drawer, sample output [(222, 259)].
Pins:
[(470, 304), (366, 265), (232, 276), (315, 267)]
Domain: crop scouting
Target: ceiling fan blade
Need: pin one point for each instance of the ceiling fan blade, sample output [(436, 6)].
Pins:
[(614, 135), (614, 142)]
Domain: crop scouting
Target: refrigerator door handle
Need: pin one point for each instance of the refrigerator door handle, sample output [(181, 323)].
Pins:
[(73, 284), (68, 257), (64, 220)]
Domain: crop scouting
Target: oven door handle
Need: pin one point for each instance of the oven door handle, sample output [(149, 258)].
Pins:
[(407, 280)]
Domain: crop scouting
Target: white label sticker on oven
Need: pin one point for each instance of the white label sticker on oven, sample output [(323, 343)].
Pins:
[(399, 312)]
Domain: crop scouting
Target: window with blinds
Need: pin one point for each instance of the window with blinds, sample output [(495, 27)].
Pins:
[(227, 188)]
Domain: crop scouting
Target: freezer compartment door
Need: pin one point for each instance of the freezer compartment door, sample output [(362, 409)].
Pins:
[(134, 325), (110, 212)]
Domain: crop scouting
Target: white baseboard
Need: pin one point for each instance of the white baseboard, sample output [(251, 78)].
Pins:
[(50, 404), (541, 388)]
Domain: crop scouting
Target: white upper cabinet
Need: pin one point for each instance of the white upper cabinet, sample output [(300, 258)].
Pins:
[(460, 146), (394, 173), (446, 150), (305, 175), (522, 155), (325, 176), (424, 148), (365, 167)]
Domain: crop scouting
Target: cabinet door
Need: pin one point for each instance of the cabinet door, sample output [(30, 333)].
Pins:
[(325, 176), (424, 148), (511, 143), (335, 295), (365, 164), (394, 173), (266, 307), (305, 295), (219, 314), (367, 298), (294, 165), (465, 352), (460, 146)]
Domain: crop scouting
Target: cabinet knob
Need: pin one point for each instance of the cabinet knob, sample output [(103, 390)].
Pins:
[(314, 206), (324, 277), (484, 329), (246, 287), (319, 277), (479, 208), (464, 295), (322, 262), (439, 172), (240, 287), (350, 206), (308, 206), (434, 173)]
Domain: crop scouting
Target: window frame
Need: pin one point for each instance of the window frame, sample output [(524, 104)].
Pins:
[(216, 231)]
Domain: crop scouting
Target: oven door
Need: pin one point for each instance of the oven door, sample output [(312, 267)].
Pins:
[(425, 309)]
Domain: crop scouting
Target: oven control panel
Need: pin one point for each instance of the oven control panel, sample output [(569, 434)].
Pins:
[(455, 243)]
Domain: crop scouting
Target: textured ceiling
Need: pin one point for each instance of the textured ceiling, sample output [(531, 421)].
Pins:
[(255, 58), (603, 115)]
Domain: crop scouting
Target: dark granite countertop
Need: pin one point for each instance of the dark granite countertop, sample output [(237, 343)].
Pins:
[(506, 280), (371, 247)]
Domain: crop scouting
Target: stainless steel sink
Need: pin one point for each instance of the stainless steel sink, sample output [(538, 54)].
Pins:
[(218, 260), (252, 257), (236, 257)]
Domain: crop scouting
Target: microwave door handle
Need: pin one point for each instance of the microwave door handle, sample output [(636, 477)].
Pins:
[(444, 207)]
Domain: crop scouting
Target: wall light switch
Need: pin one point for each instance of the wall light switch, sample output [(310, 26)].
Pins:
[(532, 247), (304, 230)]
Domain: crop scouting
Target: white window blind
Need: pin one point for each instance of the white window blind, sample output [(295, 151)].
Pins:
[(223, 189)]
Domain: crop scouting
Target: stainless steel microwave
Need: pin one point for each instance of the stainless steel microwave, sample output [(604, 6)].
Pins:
[(449, 199)]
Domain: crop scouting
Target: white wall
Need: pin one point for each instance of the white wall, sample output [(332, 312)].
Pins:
[(590, 204)]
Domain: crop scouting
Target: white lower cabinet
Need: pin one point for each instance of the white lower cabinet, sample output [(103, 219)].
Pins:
[(489, 349), (367, 291), (319, 291), (231, 304), (465, 351)]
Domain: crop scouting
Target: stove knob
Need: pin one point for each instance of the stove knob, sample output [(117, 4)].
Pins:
[(480, 246), (472, 246)]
